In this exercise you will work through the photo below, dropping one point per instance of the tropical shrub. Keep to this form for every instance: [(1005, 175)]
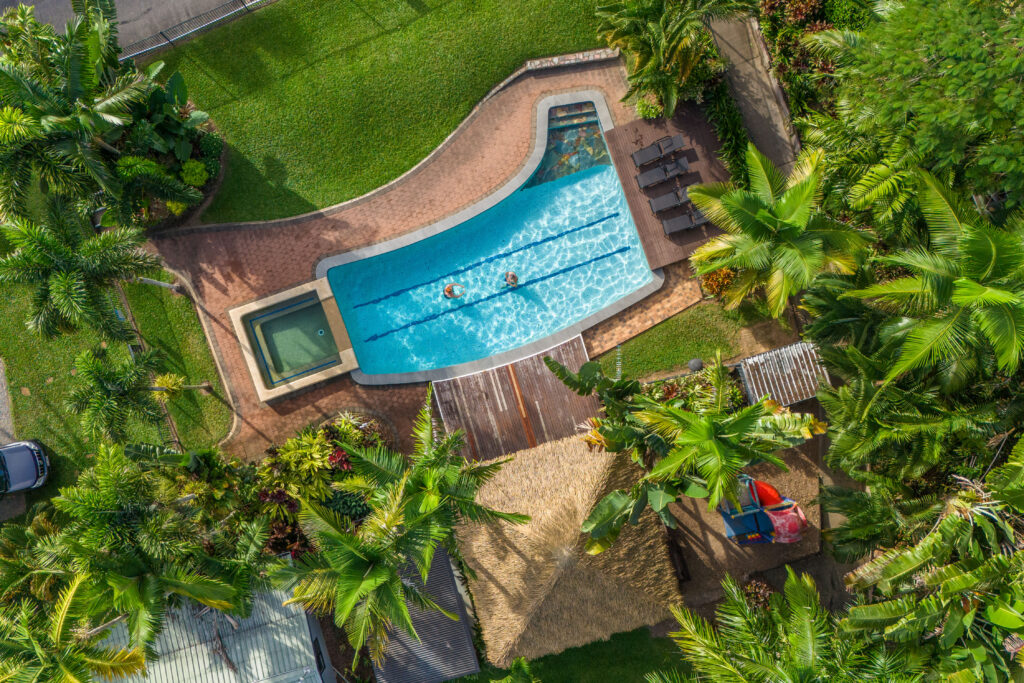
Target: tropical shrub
[(694, 390), (298, 469), (176, 208), (717, 281), (646, 109), (211, 145), (194, 173), (727, 121)]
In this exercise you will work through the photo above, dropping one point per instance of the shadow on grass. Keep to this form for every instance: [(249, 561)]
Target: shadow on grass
[(267, 181)]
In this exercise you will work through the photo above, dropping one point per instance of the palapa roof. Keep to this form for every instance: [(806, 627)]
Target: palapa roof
[(537, 591)]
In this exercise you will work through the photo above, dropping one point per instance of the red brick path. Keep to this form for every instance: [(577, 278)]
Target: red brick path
[(228, 265)]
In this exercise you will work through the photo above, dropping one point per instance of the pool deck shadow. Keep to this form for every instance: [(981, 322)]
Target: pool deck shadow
[(229, 265)]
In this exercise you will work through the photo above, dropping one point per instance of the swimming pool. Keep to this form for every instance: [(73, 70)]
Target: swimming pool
[(566, 232)]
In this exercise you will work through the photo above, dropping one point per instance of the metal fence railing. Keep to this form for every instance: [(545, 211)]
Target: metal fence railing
[(169, 37)]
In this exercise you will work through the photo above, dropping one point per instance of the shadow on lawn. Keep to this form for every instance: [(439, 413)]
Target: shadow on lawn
[(267, 181)]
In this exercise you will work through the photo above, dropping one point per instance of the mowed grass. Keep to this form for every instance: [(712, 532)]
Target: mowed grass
[(624, 658), (40, 379), (169, 323), (324, 101), (697, 332)]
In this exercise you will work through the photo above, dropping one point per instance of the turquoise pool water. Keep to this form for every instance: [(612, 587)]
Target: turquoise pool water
[(567, 234)]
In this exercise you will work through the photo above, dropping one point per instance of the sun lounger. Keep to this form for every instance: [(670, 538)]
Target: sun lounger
[(698, 218), (661, 148), (669, 201), (662, 173), (678, 224)]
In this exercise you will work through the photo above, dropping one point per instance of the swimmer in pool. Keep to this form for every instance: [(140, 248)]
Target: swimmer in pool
[(453, 290), (511, 279)]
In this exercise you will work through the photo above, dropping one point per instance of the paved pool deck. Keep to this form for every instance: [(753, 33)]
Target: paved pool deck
[(232, 264)]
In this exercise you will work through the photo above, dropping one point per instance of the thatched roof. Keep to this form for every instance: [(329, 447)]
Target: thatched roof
[(537, 592)]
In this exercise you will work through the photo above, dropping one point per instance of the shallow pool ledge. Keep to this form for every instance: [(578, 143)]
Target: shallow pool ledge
[(317, 292)]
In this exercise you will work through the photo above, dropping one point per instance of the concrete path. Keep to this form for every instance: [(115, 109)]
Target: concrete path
[(14, 504), (758, 96), (138, 18)]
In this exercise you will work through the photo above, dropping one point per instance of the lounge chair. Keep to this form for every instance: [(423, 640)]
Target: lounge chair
[(699, 219), (657, 150), (678, 224), (669, 201), (662, 173)]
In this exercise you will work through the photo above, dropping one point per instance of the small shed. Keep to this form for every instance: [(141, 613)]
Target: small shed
[(445, 647), (787, 375), (275, 642)]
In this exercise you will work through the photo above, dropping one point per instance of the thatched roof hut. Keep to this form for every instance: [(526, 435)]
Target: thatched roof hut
[(537, 591)]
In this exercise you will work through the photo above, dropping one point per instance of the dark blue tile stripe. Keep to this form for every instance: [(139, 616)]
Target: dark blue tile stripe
[(500, 292), (481, 262)]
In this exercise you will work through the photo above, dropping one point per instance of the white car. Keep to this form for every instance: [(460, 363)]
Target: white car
[(23, 465)]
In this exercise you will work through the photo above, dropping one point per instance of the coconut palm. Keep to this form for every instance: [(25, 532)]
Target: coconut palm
[(965, 294), (792, 638), (367, 573), (44, 645), (60, 116), (777, 239), (665, 41), (70, 273), (111, 393)]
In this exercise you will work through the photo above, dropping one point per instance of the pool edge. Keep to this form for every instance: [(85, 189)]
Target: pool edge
[(506, 190), (520, 352)]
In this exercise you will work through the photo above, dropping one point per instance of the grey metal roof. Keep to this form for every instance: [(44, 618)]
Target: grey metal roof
[(272, 645), (787, 375), (445, 649)]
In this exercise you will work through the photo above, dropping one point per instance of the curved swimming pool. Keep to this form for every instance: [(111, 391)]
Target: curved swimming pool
[(567, 234)]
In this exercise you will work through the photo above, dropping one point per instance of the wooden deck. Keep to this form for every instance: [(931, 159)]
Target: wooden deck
[(515, 406), (705, 167)]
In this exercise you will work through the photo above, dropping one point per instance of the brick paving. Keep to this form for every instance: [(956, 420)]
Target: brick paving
[(231, 264)]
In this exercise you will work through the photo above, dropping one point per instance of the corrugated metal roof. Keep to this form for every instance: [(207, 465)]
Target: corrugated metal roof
[(788, 375), (445, 649), (272, 645)]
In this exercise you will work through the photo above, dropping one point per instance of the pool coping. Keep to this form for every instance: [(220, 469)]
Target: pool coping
[(514, 183), (528, 168), (346, 355)]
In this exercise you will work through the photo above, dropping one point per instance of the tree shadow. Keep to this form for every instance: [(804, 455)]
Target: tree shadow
[(263, 184)]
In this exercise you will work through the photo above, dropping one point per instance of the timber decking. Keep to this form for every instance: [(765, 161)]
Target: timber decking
[(515, 406), (705, 167)]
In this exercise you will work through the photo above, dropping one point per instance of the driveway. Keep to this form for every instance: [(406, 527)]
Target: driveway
[(139, 18)]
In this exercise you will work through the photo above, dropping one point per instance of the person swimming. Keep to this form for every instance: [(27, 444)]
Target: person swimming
[(453, 290), (511, 279)]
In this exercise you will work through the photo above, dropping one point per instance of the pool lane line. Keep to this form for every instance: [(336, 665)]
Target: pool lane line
[(500, 292), (487, 260)]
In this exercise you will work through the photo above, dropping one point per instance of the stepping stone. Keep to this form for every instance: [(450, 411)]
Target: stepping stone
[(25, 391), (49, 380)]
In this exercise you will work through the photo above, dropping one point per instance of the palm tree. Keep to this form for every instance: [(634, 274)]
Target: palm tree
[(112, 393), (695, 450), (959, 585), (62, 114), (142, 548), (42, 645), (665, 41), (777, 239), (965, 294), (367, 573), (791, 639), (71, 272)]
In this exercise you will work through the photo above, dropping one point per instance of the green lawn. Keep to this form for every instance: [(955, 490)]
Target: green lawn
[(169, 323), (323, 101), (624, 658), (39, 375), (696, 332)]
